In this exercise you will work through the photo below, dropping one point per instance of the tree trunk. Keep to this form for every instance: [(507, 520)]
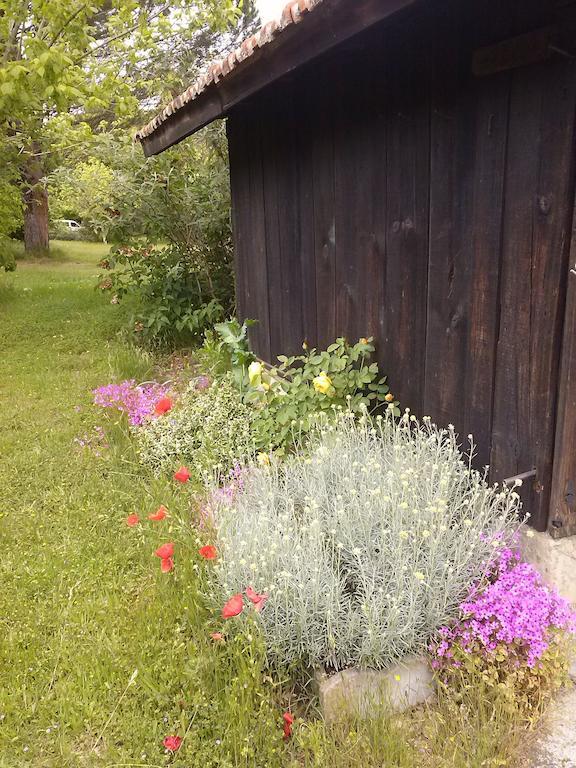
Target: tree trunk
[(35, 206)]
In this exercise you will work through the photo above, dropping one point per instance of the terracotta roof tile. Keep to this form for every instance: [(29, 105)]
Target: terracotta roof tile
[(292, 14)]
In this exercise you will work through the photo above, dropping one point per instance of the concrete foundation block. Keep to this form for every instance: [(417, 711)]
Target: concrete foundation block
[(554, 558), (359, 692)]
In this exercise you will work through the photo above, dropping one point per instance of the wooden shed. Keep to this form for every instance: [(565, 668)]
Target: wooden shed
[(405, 169)]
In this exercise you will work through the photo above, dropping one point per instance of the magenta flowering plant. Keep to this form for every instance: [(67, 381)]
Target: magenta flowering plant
[(224, 492), (138, 401), (513, 631)]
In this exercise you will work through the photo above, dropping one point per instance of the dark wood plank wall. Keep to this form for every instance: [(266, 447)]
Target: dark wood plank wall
[(386, 191)]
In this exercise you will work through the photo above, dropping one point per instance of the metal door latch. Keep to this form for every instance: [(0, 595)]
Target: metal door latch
[(523, 475)]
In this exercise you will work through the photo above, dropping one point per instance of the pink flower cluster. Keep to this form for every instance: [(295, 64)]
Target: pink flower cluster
[(139, 401), (225, 494), (515, 609)]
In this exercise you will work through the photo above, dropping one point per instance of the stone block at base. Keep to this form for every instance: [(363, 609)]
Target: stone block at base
[(360, 692), (554, 558)]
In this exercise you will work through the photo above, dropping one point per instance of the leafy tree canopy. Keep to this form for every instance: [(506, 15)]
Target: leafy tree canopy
[(70, 70)]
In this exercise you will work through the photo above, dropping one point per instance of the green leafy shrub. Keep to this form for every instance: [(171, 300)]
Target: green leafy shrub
[(365, 544), (236, 348), (8, 252), (10, 205), (177, 298), (290, 396), (209, 429)]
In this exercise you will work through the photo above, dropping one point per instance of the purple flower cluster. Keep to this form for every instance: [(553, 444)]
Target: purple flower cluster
[(225, 494), (136, 400), (515, 610)]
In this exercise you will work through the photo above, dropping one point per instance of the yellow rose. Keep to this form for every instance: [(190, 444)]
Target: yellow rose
[(263, 459), (254, 372), (363, 340), (389, 397), (322, 383)]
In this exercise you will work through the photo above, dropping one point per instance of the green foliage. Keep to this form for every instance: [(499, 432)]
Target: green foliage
[(504, 676), (60, 84), (290, 396), (178, 298), (208, 429), (10, 199), (181, 199), (7, 254), (181, 196), (10, 209), (48, 51), (235, 345), (85, 193)]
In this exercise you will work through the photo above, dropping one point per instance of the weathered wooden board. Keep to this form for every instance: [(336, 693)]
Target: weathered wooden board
[(537, 213), (304, 157), (353, 198), (253, 247), (562, 519), (240, 200), (403, 337), (468, 140), (321, 138)]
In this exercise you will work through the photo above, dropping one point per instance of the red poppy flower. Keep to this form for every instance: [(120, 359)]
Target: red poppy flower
[(233, 607), (208, 552), (160, 513), (166, 564), (132, 520), (288, 720), (217, 636), (165, 551), (163, 406), (182, 475), (172, 743), (258, 600)]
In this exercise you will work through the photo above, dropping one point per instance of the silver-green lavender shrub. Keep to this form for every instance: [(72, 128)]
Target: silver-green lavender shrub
[(366, 542), (209, 430)]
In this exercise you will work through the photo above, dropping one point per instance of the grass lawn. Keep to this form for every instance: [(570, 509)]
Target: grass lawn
[(82, 603), (102, 655)]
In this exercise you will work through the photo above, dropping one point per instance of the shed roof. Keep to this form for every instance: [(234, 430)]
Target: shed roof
[(273, 51)]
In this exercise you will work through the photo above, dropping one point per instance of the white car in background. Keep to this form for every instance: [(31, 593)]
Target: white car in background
[(70, 224)]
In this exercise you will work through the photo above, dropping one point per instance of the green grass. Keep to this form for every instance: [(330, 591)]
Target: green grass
[(83, 604)]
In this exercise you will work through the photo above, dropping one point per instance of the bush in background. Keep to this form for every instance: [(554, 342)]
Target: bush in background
[(9, 251), (366, 544), (177, 298), (209, 429)]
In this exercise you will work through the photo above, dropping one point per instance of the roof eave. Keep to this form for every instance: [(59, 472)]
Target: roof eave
[(331, 23)]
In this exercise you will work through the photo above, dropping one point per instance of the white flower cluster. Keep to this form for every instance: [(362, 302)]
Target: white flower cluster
[(209, 430), (366, 542)]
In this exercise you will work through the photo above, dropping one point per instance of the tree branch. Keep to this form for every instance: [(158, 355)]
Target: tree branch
[(68, 21), (120, 35)]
